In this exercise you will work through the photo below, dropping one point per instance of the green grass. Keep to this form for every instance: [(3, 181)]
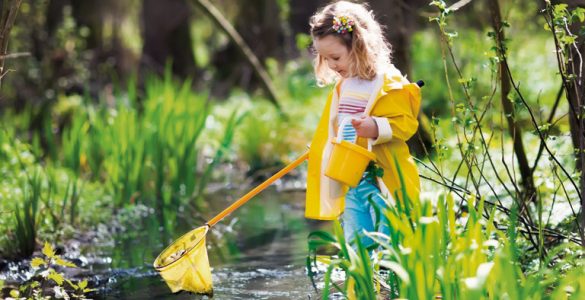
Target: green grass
[(431, 252), (355, 263), (27, 216), (41, 201), (147, 150)]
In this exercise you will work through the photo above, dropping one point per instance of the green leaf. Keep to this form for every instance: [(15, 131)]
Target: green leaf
[(439, 4), (64, 263), (560, 8), (316, 244), (48, 250), (569, 39), (83, 284), (303, 41), (37, 262), (579, 12), (73, 285), (57, 277), (322, 235), (460, 107), (397, 269)]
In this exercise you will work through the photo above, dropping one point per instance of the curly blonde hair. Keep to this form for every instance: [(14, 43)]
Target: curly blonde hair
[(369, 51)]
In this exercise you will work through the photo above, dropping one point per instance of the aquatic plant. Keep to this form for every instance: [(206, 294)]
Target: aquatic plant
[(434, 254), (64, 209), (27, 215), (40, 201), (48, 283), (146, 149), (72, 143), (354, 262)]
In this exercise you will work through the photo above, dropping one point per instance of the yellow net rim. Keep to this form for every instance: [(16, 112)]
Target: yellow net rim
[(159, 267)]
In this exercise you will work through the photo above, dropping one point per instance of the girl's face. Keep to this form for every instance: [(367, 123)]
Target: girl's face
[(335, 53)]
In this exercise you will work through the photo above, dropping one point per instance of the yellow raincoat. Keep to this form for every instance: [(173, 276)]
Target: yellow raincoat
[(394, 108)]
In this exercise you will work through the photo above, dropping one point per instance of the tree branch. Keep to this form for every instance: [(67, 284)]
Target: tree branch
[(233, 34), (8, 17), (513, 127)]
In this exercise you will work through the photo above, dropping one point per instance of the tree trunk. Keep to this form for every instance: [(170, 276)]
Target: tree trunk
[(574, 96), (575, 90), (401, 20), (259, 24), (90, 14), (300, 14), (54, 16), (93, 15), (514, 129), (166, 35)]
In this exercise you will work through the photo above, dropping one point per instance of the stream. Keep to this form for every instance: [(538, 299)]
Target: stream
[(257, 252)]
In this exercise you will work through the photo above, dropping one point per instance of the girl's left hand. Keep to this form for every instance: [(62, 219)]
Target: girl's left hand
[(365, 127)]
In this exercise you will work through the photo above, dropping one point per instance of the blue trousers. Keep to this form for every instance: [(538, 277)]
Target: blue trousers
[(359, 215)]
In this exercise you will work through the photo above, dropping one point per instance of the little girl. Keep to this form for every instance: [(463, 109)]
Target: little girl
[(383, 106)]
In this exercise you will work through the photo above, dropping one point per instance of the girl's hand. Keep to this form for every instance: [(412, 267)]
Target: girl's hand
[(365, 127)]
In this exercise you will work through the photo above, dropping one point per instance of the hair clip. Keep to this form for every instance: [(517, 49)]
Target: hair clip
[(342, 24)]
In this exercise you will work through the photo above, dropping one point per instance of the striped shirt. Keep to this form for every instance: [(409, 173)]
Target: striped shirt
[(353, 99)]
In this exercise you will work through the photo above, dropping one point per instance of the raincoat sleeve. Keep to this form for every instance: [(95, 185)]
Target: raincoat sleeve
[(396, 114)]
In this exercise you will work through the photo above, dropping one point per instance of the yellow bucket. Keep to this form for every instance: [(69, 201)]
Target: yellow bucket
[(348, 161), (184, 264)]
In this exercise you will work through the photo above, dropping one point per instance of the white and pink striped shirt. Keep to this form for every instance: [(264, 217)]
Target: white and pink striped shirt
[(353, 99)]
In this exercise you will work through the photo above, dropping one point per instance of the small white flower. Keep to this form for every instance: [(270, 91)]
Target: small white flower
[(45, 273), (428, 220), (60, 293), (477, 282), (484, 270), (472, 283), (491, 243)]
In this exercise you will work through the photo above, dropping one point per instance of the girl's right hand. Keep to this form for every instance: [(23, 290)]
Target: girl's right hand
[(365, 127)]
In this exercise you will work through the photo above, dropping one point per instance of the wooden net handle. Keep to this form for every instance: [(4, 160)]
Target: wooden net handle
[(258, 189)]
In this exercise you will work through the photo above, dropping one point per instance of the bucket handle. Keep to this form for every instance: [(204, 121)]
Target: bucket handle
[(342, 125)]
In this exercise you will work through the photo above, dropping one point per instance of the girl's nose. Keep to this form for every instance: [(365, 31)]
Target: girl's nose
[(333, 66)]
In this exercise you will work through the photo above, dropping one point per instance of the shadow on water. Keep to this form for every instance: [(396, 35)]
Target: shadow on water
[(257, 252)]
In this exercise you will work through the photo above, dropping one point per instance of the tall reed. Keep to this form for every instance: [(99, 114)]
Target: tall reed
[(432, 253), (27, 216), (146, 149)]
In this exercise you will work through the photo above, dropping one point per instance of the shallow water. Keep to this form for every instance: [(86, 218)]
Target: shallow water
[(257, 252)]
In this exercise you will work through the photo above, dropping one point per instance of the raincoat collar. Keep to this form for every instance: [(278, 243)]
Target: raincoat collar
[(389, 80)]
